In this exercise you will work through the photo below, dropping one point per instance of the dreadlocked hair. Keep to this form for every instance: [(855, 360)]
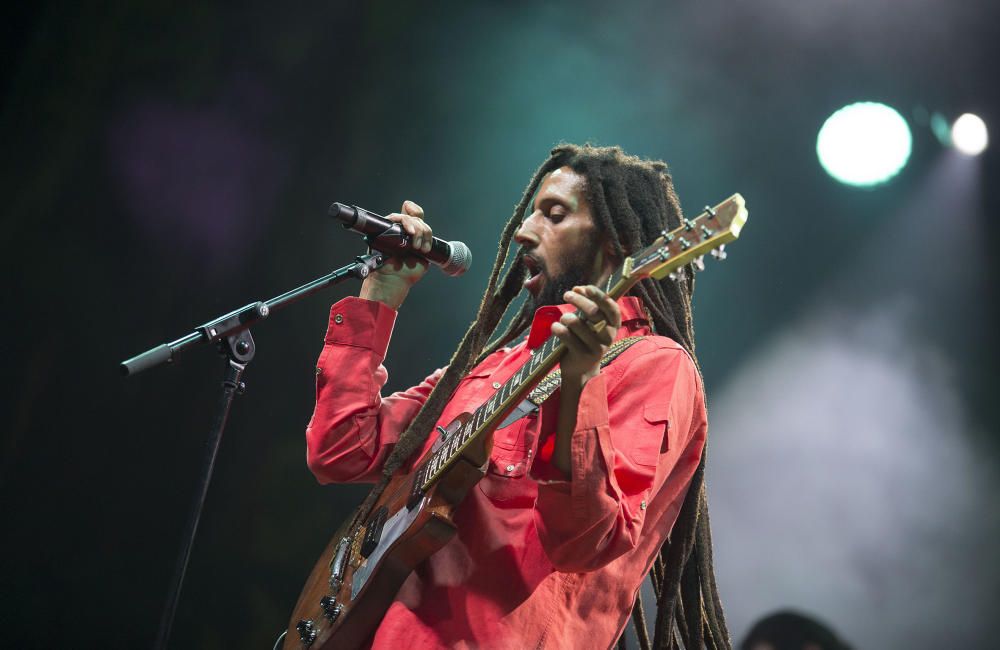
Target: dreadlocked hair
[(632, 201)]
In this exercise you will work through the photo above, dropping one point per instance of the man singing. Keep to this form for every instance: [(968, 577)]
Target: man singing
[(582, 499)]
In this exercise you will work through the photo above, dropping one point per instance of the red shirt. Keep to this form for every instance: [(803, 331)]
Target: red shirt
[(539, 561)]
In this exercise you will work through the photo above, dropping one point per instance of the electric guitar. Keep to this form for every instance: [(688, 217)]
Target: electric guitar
[(357, 576)]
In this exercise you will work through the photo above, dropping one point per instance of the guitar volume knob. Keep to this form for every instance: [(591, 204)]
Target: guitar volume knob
[(331, 608), (307, 632)]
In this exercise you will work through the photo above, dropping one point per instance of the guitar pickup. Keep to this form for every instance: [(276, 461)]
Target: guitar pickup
[(373, 531), (416, 493)]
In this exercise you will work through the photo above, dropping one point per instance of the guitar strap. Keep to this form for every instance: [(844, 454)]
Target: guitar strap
[(551, 382)]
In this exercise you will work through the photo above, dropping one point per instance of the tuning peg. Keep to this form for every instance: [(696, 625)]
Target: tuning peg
[(719, 253), (698, 263)]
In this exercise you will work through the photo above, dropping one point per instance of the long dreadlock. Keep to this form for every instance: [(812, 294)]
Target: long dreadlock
[(632, 201)]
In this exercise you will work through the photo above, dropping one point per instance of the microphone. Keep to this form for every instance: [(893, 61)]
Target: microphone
[(454, 257)]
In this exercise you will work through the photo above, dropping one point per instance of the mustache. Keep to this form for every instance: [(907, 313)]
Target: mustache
[(531, 263)]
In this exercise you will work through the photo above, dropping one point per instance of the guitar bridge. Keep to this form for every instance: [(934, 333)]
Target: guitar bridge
[(338, 564)]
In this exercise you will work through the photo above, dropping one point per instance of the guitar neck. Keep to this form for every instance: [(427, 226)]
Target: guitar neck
[(707, 232), (486, 418)]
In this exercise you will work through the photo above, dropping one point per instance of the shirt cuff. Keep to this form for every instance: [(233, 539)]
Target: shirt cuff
[(361, 323)]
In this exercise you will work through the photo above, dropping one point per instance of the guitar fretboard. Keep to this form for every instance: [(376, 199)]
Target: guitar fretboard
[(708, 231), (542, 359)]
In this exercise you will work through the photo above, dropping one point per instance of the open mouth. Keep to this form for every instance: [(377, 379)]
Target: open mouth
[(533, 273)]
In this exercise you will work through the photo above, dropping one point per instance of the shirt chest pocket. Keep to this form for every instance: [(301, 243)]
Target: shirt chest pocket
[(474, 389), (506, 483), (652, 438)]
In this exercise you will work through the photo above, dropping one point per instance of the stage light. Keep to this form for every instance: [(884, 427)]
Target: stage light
[(864, 144), (969, 134)]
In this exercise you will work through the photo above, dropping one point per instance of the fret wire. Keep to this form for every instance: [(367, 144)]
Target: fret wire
[(545, 355)]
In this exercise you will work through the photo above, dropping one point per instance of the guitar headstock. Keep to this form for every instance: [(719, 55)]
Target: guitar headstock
[(706, 233)]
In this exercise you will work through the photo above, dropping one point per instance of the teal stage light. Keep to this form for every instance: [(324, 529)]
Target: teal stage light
[(864, 144)]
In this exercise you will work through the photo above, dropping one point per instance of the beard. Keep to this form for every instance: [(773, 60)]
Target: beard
[(578, 265)]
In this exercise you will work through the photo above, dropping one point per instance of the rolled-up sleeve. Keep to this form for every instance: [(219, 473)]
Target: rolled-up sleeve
[(638, 439), (353, 428)]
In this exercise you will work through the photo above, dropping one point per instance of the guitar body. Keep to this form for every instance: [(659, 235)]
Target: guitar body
[(355, 580)]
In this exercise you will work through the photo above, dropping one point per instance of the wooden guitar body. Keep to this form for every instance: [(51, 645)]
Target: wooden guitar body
[(353, 584)]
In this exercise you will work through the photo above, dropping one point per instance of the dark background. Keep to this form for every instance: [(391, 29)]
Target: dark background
[(164, 163)]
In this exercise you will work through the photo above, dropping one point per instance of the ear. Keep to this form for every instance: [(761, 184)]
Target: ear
[(607, 260), (608, 248)]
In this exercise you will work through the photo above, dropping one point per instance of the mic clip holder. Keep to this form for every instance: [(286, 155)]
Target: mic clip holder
[(394, 238), (371, 261)]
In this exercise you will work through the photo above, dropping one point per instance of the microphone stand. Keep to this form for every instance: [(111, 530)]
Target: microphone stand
[(231, 333)]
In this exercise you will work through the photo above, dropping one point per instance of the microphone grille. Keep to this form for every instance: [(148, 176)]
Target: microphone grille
[(459, 261)]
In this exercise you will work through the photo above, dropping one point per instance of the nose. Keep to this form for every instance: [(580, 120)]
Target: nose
[(525, 234)]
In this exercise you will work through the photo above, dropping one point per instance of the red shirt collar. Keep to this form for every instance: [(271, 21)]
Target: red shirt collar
[(541, 325)]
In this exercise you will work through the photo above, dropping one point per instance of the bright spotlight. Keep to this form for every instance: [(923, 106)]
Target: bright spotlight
[(969, 135), (864, 144)]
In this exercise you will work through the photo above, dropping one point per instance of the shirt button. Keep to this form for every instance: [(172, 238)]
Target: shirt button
[(510, 468), (642, 505), (319, 370), (496, 384), (338, 319)]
